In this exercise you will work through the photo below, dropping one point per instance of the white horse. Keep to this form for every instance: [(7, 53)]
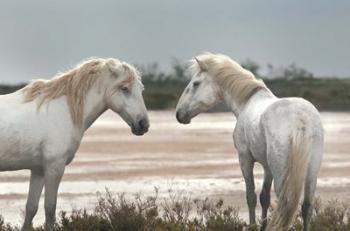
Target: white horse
[(42, 125), (284, 135)]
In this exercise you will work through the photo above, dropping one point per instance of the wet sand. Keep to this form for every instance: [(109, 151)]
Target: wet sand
[(198, 159)]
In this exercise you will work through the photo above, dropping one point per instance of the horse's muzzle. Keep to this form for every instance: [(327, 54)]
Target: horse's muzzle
[(183, 118), (140, 127)]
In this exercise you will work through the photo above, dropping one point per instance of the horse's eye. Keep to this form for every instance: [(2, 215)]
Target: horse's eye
[(124, 89), (196, 84)]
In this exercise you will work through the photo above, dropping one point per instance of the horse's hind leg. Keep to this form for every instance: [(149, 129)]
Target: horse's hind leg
[(53, 176), (309, 192), (310, 183), (35, 189), (265, 197)]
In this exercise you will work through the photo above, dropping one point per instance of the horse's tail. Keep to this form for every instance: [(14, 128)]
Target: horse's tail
[(294, 179)]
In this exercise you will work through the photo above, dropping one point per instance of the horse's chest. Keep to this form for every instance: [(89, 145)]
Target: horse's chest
[(70, 153), (61, 150)]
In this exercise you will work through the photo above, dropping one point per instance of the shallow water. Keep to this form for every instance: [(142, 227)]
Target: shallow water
[(198, 158)]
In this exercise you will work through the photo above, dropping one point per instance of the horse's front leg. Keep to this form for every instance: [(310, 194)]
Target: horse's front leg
[(35, 189), (53, 175), (265, 196), (247, 166)]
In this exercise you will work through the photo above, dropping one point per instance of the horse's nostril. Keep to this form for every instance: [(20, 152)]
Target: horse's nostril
[(143, 124)]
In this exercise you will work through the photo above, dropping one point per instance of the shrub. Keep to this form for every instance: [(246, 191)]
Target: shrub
[(178, 212)]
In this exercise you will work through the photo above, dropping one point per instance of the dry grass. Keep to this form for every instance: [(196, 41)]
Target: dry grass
[(114, 212)]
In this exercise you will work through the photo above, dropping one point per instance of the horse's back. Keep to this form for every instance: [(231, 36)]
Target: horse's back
[(14, 111), (284, 115)]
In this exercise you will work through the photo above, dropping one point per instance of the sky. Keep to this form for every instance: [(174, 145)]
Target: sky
[(41, 38)]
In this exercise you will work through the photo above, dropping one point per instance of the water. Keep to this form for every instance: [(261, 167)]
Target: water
[(198, 158)]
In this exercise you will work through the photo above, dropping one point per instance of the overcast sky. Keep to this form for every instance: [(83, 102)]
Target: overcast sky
[(40, 38)]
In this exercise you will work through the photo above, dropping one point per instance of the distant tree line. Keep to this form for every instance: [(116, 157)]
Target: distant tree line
[(164, 88), (326, 93), (6, 89)]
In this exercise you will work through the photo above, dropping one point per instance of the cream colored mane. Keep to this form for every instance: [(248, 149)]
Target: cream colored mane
[(236, 80), (74, 84)]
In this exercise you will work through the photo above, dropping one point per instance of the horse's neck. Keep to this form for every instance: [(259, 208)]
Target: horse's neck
[(257, 100), (93, 108), (232, 104)]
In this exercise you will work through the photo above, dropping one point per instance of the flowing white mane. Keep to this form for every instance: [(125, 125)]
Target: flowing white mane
[(236, 80), (74, 84)]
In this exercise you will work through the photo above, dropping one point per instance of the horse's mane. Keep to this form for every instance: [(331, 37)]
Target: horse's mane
[(236, 80), (74, 84)]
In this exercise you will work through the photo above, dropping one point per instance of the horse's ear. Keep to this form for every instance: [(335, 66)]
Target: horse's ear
[(201, 65), (116, 68)]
